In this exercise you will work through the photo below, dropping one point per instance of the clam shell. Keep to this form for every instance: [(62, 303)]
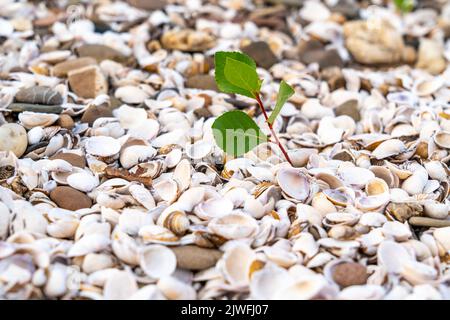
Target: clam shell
[(294, 183), (102, 146), (157, 261), (234, 226)]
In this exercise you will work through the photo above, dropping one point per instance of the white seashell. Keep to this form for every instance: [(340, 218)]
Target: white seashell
[(355, 176), (235, 264), (149, 292), (389, 148), (174, 289), (167, 190), (142, 195), (82, 181), (234, 226), (314, 11), (436, 170), (213, 208), (303, 289), (133, 118), (397, 230), (280, 256), (435, 209), (131, 94), (133, 155), (442, 236), (173, 158), (362, 292), (89, 244), (199, 149), (442, 139), (393, 256), (102, 146), (131, 221), (190, 198), (33, 119), (55, 56), (157, 261), (306, 244), (125, 247), (264, 283), (294, 183), (93, 262), (119, 285), (427, 87), (146, 130), (56, 281), (417, 181), (35, 135)]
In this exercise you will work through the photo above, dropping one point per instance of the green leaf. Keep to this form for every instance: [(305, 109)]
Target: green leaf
[(236, 133), (284, 93), (404, 5), (242, 76), (228, 83)]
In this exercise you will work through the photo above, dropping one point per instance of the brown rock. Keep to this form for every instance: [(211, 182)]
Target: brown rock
[(373, 44), (325, 58), (148, 4), (349, 274), (94, 112), (261, 53), (308, 46), (334, 77), (196, 258), (72, 158), (39, 95), (100, 53), (70, 198), (63, 68), (88, 82), (202, 81), (187, 40), (349, 108), (65, 121)]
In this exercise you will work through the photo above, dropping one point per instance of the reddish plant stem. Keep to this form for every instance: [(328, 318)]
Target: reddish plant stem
[(261, 106)]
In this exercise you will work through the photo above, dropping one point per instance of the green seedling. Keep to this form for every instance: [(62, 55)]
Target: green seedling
[(234, 131), (404, 6)]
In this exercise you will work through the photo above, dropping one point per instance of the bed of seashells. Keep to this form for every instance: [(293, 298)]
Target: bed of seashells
[(112, 187)]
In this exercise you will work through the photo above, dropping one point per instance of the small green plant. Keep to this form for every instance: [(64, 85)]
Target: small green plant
[(404, 6), (234, 131)]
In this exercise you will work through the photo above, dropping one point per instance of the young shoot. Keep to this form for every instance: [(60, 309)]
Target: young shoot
[(234, 131)]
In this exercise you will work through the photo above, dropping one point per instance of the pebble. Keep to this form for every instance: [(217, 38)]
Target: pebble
[(63, 68), (348, 8), (381, 44), (196, 258), (39, 95), (261, 53), (21, 107), (70, 198), (428, 222), (94, 112), (65, 121), (13, 137), (314, 51), (101, 52), (72, 158), (349, 274), (430, 57), (334, 77), (187, 40), (202, 81), (148, 4), (88, 82), (349, 108)]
